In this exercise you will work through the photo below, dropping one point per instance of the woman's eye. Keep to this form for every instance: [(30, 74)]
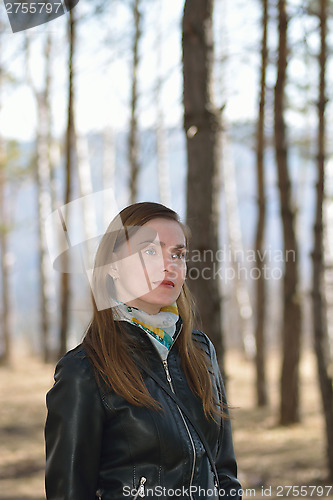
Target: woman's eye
[(150, 251), (179, 255)]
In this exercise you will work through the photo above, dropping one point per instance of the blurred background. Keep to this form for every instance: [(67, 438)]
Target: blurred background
[(221, 110)]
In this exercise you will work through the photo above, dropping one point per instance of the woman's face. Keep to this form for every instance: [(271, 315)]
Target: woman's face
[(149, 270)]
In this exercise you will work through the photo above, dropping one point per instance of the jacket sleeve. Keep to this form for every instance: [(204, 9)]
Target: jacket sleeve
[(73, 432), (225, 460)]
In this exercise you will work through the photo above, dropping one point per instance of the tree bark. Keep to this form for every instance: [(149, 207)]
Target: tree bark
[(70, 149), (318, 297), (5, 356), (43, 175), (133, 146), (51, 146), (241, 301), (86, 189), (291, 321), (261, 383), (202, 124), (161, 136)]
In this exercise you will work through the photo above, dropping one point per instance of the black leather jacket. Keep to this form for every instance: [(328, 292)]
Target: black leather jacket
[(99, 445)]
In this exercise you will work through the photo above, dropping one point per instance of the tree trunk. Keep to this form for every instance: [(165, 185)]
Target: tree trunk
[(239, 283), (319, 305), (5, 355), (109, 159), (291, 321), (261, 383), (161, 148), (42, 175), (70, 149), (86, 190), (202, 125), (51, 146), (162, 163), (44, 209), (133, 147)]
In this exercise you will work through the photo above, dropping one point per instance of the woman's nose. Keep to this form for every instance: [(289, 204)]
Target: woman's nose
[(167, 262)]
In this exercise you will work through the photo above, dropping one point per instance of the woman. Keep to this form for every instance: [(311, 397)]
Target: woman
[(138, 409)]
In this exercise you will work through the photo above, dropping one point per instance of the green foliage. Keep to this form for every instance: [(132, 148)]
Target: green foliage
[(15, 164)]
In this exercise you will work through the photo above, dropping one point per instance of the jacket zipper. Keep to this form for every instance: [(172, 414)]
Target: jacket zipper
[(141, 489), (166, 368)]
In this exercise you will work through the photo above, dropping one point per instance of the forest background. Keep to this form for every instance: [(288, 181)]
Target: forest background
[(221, 110)]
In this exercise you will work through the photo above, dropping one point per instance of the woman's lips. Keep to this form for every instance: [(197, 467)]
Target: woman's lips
[(167, 283)]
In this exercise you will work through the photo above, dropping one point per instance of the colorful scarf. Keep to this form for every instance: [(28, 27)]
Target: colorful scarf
[(160, 326)]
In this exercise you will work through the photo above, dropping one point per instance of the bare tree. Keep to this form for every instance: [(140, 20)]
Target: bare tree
[(291, 321), (202, 123), (161, 148), (70, 152), (5, 289), (86, 187), (109, 158), (43, 177), (133, 146), (261, 383), (4, 229), (319, 305), (239, 285)]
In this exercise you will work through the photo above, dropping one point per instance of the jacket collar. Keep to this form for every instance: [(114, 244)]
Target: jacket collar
[(138, 335)]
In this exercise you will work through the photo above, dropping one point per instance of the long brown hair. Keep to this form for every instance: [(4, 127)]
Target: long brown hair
[(108, 345)]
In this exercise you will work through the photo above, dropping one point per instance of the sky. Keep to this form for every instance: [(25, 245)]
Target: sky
[(102, 81)]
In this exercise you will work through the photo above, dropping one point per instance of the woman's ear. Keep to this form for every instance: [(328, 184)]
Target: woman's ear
[(113, 272)]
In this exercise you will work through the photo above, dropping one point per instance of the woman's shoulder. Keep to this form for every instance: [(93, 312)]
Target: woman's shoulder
[(75, 364), (76, 355), (204, 340), (208, 347), (74, 384)]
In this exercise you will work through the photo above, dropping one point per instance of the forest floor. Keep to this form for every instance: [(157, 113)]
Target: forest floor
[(274, 462)]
